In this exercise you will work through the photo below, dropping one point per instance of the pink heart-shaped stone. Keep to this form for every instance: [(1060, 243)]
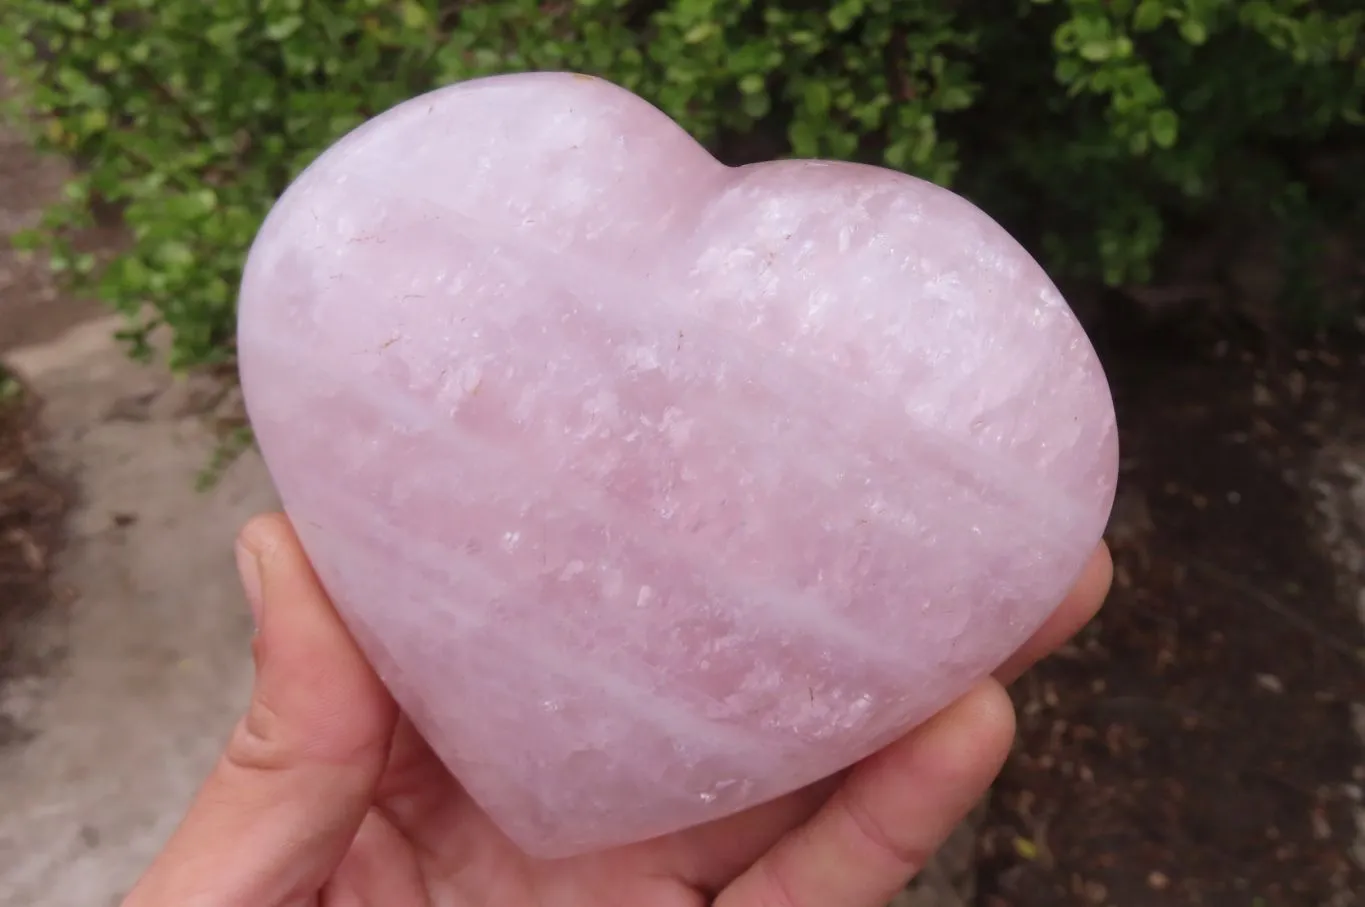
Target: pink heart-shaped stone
[(653, 488)]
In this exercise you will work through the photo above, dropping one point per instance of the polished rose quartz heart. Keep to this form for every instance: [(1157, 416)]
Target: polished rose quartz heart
[(653, 488)]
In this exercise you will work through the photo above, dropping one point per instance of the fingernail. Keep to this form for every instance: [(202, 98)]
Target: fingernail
[(249, 569)]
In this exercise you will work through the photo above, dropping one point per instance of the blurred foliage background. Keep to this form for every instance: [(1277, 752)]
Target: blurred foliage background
[(1107, 134)]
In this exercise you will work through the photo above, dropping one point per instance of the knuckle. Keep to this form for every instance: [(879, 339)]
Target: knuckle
[(257, 742), (777, 888), (908, 851)]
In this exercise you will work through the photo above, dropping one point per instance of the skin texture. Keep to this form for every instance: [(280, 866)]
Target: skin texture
[(326, 797)]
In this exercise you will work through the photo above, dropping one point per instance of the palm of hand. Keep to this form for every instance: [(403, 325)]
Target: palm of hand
[(853, 839), (424, 842)]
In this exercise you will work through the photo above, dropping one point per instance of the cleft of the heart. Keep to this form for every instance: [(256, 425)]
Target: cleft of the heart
[(653, 488)]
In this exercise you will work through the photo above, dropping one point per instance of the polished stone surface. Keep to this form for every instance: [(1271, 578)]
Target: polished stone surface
[(654, 488)]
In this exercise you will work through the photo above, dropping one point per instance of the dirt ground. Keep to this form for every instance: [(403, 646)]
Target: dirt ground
[(33, 500), (1196, 745), (33, 506)]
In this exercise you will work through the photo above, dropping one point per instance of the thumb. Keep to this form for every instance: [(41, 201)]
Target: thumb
[(283, 805)]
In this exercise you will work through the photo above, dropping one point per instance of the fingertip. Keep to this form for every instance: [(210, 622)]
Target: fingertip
[(987, 705), (265, 534), (970, 737), (286, 572), (311, 670), (1087, 593), (988, 722), (1098, 576), (892, 813)]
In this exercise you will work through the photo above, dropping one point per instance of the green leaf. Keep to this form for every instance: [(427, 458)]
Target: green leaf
[(804, 138), (1165, 128), (817, 97), (281, 29), (1068, 70), (224, 35), (415, 15), (1097, 50), (1194, 31), (93, 120), (29, 240), (1149, 15), (842, 15), (702, 31)]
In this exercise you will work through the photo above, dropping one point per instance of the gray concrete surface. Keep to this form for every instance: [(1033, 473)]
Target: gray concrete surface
[(150, 660)]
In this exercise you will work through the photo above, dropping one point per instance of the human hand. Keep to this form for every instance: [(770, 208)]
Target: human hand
[(326, 795)]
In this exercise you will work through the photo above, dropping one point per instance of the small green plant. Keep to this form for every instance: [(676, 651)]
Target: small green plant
[(11, 390), (1096, 129)]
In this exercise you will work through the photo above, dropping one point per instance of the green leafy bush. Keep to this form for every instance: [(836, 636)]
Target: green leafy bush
[(1097, 129)]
